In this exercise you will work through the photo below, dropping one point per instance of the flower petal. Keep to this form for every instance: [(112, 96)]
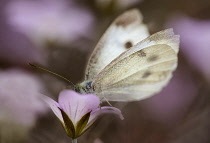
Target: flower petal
[(77, 105), (100, 111), (54, 106)]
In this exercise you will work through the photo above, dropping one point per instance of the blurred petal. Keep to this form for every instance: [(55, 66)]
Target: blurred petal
[(103, 110), (57, 21), (54, 106), (171, 104), (20, 103), (195, 41), (19, 96), (76, 105)]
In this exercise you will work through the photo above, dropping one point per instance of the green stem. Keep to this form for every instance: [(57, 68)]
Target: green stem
[(74, 140)]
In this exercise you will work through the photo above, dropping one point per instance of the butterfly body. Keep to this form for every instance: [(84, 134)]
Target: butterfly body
[(128, 64), (84, 87)]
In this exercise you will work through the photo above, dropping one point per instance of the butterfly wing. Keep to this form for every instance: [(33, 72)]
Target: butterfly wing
[(141, 71), (126, 31)]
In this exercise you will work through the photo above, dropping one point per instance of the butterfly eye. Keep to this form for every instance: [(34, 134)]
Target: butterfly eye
[(88, 85), (128, 45)]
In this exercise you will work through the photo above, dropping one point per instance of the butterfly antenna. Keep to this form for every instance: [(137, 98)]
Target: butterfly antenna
[(53, 73), (107, 101)]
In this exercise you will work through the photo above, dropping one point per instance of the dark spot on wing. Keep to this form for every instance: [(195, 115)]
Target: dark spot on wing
[(141, 53), (152, 58), (125, 21), (146, 74), (128, 45), (164, 75)]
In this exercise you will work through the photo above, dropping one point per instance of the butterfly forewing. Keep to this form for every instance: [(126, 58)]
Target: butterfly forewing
[(163, 37), (126, 31), (141, 71)]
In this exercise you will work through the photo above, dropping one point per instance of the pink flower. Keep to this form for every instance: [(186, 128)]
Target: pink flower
[(20, 103), (78, 112), (195, 35), (49, 20), (171, 104)]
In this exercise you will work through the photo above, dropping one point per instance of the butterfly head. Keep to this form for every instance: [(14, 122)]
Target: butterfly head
[(84, 87)]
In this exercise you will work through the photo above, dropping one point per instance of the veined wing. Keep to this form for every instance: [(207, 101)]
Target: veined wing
[(141, 71), (126, 31)]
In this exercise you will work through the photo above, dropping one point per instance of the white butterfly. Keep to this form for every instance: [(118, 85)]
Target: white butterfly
[(127, 66)]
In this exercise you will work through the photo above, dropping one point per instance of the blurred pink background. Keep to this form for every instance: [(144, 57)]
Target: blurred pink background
[(60, 35)]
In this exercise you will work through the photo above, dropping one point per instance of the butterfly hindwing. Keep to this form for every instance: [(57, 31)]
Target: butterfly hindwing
[(126, 31)]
